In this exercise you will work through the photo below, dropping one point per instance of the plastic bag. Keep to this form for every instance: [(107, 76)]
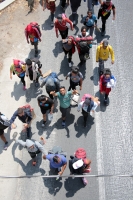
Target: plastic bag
[(50, 117)]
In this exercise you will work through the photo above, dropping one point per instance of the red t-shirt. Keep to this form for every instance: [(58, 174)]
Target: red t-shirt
[(62, 25)]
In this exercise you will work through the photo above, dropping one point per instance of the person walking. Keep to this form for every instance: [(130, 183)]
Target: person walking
[(104, 13), (50, 5), (69, 48), (102, 54), (75, 4), (33, 148), (45, 104), (33, 70), (76, 78), (61, 24), (18, 67), (57, 161), (32, 32), (51, 83), (65, 99), (90, 21), (91, 3), (106, 83), (88, 106), (31, 4), (4, 123), (25, 116)]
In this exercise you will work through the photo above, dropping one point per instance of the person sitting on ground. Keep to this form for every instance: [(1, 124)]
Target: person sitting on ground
[(33, 148), (69, 48), (76, 78), (33, 70), (45, 104)]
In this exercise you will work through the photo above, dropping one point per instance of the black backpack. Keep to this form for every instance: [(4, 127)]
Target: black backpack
[(84, 48)]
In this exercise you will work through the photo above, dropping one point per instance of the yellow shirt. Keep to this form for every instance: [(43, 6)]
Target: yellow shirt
[(104, 53)]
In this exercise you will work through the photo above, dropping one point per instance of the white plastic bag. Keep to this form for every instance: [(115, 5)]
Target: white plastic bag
[(50, 117), (74, 100)]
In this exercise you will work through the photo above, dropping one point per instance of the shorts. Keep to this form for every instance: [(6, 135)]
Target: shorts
[(43, 111), (1, 131), (64, 111)]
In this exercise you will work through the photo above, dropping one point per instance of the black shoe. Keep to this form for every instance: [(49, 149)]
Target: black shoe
[(36, 53), (106, 103)]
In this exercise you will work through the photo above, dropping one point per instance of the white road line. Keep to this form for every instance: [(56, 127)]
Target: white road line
[(99, 145)]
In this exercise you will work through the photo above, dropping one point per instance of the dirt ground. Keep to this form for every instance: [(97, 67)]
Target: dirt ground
[(13, 20)]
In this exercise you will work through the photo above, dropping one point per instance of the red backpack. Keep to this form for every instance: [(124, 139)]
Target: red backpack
[(35, 26), (80, 153)]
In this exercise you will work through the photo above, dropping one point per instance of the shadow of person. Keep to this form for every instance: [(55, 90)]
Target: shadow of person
[(32, 52), (64, 69), (32, 92), (80, 129), (95, 77), (58, 48), (28, 168), (82, 68), (99, 37), (47, 24), (7, 136), (72, 186), (75, 26), (102, 106), (18, 91), (52, 184)]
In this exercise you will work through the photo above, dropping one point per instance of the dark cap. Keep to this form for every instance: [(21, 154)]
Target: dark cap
[(105, 43), (87, 101), (28, 61), (59, 16), (108, 0)]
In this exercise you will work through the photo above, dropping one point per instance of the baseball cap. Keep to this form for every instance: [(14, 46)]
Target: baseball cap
[(105, 43), (59, 16), (28, 61), (78, 164)]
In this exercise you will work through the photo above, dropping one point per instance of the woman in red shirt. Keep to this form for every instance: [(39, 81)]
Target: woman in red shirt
[(61, 24)]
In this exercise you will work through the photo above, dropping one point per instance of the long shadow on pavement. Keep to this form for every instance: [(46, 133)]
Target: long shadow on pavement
[(18, 91), (72, 186), (80, 129)]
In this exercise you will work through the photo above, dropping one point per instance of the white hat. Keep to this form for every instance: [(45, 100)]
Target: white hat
[(78, 164)]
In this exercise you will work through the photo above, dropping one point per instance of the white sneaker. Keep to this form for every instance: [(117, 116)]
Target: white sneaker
[(70, 64)]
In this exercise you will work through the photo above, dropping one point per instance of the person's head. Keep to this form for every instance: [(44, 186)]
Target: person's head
[(87, 101), (56, 159), (43, 98), (83, 30), (108, 2), (105, 44), (28, 62), (107, 73), (75, 70), (16, 63), (62, 90), (59, 17), (89, 13), (69, 41), (20, 112)]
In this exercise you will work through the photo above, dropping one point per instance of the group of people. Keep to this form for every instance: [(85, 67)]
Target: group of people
[(32, 69)]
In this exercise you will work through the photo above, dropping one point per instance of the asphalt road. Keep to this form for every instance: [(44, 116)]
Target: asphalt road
[(108, 136)]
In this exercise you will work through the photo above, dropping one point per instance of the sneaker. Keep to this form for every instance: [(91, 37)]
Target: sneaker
[(24, 88), (43, 124), (52, 24), (63, 124), (34, 163), (70, 64), (6, 146), (106, 103), (84, 181)]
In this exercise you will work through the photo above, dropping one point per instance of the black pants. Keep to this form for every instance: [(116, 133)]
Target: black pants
[(35, 46), (52, 16), (63, 3), (31, 77), (34, 154), (22, 80), (50, 95), (73, 85), (69, 54), (85, 115), (29, 132), (104, 18), (64, 34)]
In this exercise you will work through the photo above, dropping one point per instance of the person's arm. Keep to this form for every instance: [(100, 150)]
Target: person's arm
[(11, 71), (44, 4), (40, 147), (40, 71), (94, 106), (97, 54), (74, 92), (114, 12), (52, 107), (68, 75), (70, 22), (80, 106), (112, 54), (88, 164), (100, 1), (56, 28), (21, 142), (26, 35), (62, 169), (13, 117), (54, 93)]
